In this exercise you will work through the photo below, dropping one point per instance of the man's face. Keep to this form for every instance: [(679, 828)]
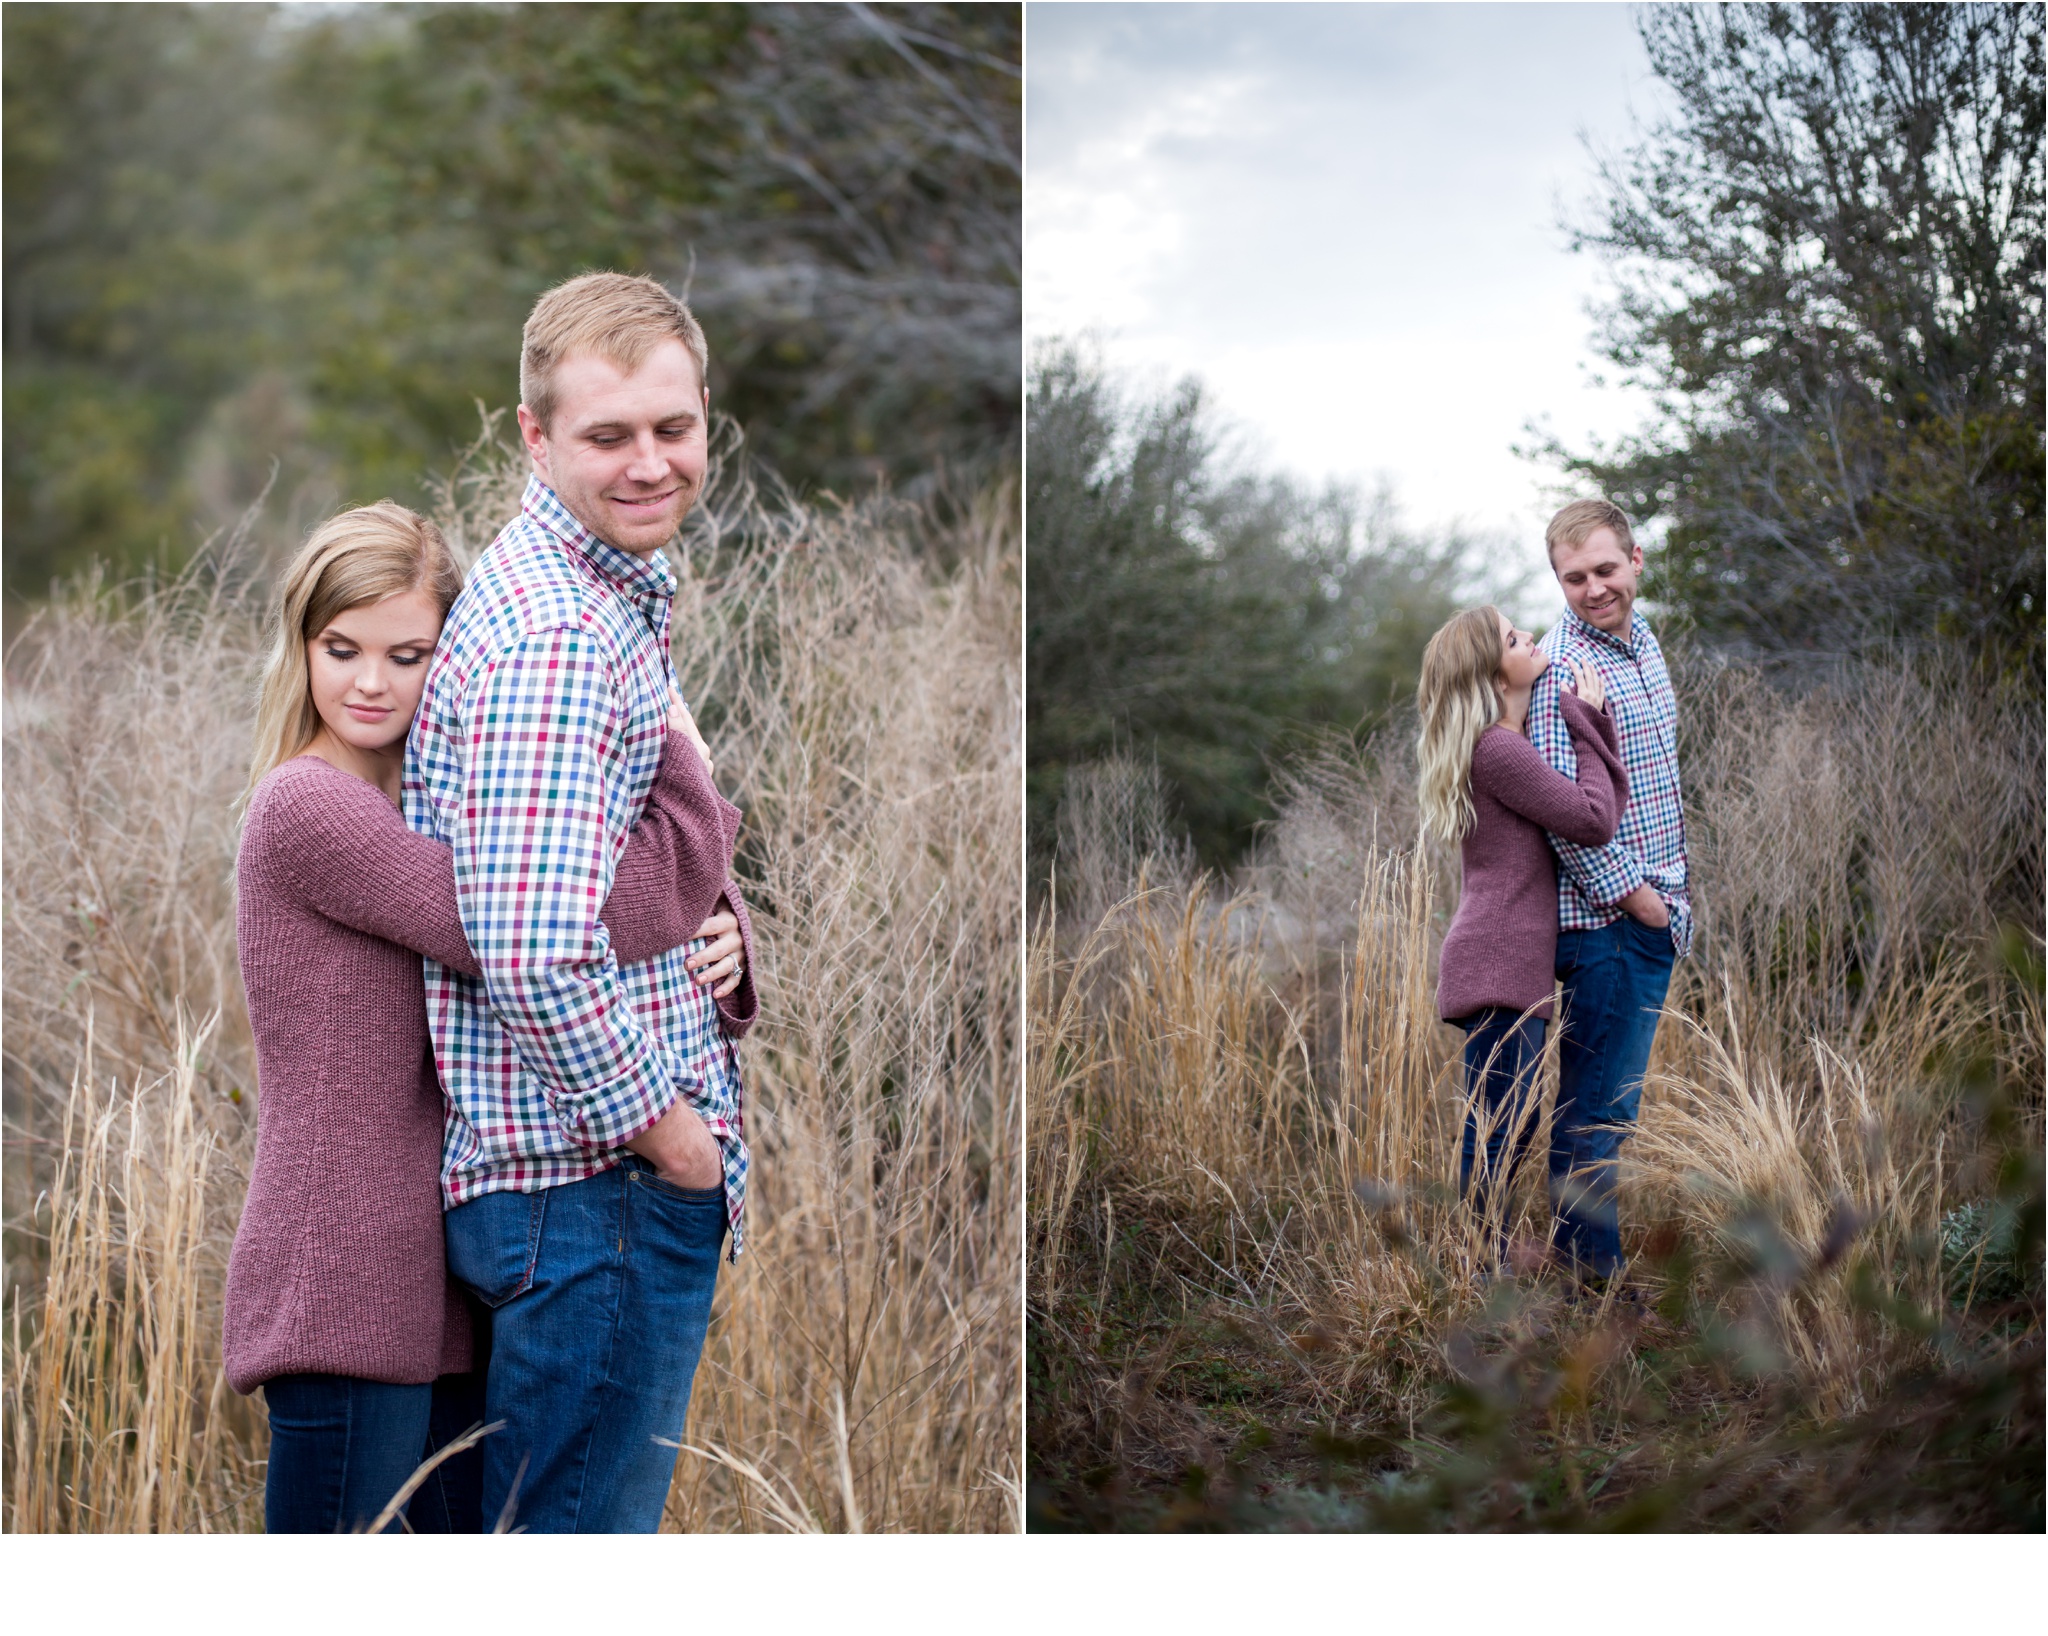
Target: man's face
[(1599, 579), (625, 452)]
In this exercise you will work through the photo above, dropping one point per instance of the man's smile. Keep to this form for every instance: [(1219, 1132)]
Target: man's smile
[(645, 502)]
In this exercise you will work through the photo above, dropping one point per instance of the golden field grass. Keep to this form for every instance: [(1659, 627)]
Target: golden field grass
[(857, 673), (1256, 1302)]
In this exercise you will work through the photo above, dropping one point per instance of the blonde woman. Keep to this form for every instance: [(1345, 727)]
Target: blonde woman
[(1486, 790), (338, 1300)]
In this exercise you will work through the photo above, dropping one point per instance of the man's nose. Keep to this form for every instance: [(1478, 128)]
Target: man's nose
[(647, 465)]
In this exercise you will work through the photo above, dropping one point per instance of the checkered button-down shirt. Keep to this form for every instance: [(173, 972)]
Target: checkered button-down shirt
[(1649, 845), (537, 740)]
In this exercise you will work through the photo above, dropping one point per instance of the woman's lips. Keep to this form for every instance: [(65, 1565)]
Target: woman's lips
[(368, 712)]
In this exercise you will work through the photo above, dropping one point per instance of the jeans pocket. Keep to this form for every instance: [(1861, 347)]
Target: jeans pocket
[(679, 1229), (669, 1190), (494, 1244), (1654, 941)]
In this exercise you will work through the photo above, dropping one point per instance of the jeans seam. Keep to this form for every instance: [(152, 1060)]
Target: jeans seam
[(536, 1224), (348, 1440), (611, 1345)]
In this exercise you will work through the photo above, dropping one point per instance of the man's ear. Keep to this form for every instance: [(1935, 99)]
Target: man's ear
[(535, 439)]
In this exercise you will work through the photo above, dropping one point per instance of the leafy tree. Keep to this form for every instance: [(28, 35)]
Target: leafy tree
[(1828, 266), (837, 188), (125, 178), (239, 234), (1185, 609), (863, 256)]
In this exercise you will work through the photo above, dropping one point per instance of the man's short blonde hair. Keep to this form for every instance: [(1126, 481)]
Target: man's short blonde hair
[(613, 316), (1572, 525)]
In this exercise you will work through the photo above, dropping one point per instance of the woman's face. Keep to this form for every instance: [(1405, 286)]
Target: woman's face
[(367, 669), (1521, 660)]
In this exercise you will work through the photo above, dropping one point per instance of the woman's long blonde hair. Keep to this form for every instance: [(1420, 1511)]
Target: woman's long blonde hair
[(1458, 698), (349, 561)]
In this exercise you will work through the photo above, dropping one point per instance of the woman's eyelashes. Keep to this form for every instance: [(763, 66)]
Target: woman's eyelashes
[(402, 656)]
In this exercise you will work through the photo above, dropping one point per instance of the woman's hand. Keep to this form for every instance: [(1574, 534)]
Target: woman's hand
[(723, 962), (1587, 684), (680, 721)]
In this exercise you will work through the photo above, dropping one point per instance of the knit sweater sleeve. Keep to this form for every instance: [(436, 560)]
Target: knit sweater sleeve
[(739, 1008), (331, 842), (675, 872), (1584, 809), (325, 839), (677, 861)]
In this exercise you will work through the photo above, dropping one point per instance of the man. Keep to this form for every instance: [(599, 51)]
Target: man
[(594, 1160), (1624, 911)]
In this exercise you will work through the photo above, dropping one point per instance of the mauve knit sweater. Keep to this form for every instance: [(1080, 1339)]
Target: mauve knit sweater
[(1502, 946), (338, 1265)]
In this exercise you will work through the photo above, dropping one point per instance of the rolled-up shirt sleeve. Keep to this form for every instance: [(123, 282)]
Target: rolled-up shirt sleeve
[(1604, 874), (533, 866)]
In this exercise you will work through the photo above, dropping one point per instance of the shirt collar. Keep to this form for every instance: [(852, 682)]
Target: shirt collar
[(635, 576), (1637, 630)]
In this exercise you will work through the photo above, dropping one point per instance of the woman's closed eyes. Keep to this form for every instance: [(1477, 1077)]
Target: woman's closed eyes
[(404, 657)]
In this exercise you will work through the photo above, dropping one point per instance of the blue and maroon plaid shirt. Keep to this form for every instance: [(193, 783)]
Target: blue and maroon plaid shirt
[(536, 742), (1650, 843)]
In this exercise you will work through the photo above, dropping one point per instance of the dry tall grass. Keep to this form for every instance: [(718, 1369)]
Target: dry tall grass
[(857, 672), (1244, 1114)]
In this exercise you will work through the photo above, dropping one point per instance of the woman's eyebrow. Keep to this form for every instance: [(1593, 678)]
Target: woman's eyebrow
[(331, 634)]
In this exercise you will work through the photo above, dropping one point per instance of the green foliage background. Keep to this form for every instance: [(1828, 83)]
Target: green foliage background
[(1186, 608), (239, 235), (1828, 266)]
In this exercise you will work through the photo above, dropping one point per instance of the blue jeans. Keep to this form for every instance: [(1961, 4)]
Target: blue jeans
[(600, 1294), (451, 1501), (1503, 1051), (341, 1447), (1614, 984)]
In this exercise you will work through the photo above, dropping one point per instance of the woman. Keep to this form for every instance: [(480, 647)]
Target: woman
[(338, 1301), (1485, 789)]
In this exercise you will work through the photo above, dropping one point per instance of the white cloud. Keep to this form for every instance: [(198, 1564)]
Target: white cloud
[(1343, 217)]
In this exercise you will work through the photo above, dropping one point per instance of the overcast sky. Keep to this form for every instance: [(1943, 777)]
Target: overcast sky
[(1344, 218)]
